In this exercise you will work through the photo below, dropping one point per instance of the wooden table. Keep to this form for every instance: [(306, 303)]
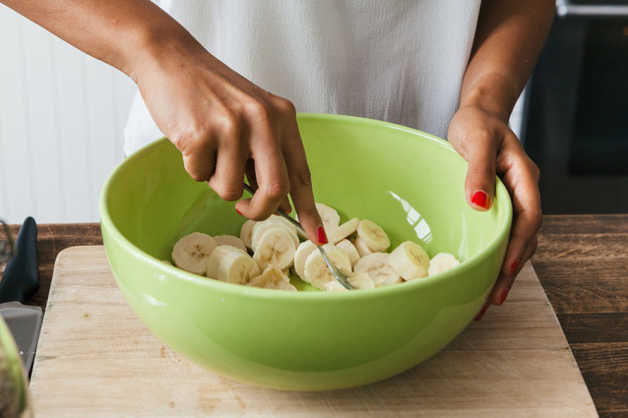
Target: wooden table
[(582, 262)]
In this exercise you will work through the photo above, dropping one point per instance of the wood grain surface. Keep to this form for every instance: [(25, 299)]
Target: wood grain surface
[(582, 263), (96, 358)]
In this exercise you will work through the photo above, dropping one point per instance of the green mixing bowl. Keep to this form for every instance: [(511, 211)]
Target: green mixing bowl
[(409, 182)]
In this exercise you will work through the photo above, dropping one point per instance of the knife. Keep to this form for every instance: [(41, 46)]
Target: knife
[(20, 280)]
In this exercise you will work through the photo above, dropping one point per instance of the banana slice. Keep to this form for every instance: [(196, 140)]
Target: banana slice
[(373, 236), (246, 231), (274, 248), (300, 256), (316, 271), (261, 227), (230, 240), (232, 265), (329, 216), (343, 231), (191, 252), (361, 281), (272, 278), (334, 286), (363, 249), (377, 265), (358, 281), (283, 221), (410, 260), (442, 262), (349, 249)]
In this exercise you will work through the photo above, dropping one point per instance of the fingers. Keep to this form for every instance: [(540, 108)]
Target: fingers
[(199, 157), (230, 165), (301, 187), (248, 135), (250, 175), (271, 175), (505, 281), (480, 180), (520, 176)]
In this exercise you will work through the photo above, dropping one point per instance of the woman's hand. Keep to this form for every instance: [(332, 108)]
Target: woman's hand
[(491, 148), (225, 126)]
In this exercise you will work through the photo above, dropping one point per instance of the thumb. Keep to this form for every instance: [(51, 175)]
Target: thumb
[(480, 181)]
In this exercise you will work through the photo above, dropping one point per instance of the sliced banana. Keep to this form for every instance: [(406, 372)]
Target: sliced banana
[(272, 278), (358, 281), (284, 221), (373, 236), (410, 260), (334, 286), (349, 249), (442, 262), (261, 227), (246, 231), (377, 265), (344, 230), (363, 249), (232, 265), (274, 248), (230, 240), (361, 280), (300, 256), (191, 252), (316, 271), (329, 216)]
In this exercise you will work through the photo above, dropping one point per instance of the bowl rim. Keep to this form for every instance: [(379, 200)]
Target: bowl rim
[(261, 293)]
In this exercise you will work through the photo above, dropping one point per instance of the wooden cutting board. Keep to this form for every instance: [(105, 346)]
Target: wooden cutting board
[(97, 359)]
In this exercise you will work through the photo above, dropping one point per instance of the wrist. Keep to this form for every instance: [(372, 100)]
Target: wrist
[(494, 94), (153, 44)]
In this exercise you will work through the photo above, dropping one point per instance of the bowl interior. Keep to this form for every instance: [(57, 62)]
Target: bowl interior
[(410, 183)]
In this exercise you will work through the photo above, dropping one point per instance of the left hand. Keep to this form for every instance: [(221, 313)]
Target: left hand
[(490, 148)]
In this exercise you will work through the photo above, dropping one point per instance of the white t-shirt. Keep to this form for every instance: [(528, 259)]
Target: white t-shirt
[(400, 61)]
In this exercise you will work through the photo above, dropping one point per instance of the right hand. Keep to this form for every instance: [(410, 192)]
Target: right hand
[(225, 126)]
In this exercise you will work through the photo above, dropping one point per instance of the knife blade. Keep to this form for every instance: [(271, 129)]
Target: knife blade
[(20, 280)]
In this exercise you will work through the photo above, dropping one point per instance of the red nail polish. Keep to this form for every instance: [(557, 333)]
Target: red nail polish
[(322, 236), (504, 295), (481, 313), (513, 267), (480, 198), (239, 213)]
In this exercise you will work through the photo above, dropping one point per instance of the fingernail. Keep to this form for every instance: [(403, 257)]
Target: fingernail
[(481, 313), (513, 267), (480, 198), (503, 296), (322, 236), (239, 213)]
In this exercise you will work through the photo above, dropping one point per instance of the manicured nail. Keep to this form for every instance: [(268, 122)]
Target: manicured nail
[(480, 198), (322, 236), (503, 296), (481, 313), (239, 213), (513, 267)]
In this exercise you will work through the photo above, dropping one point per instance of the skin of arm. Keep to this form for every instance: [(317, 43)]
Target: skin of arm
[(224, 126), (509, 37)]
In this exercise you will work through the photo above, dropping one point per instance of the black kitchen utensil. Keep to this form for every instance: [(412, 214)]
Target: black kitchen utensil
[(20, 280)]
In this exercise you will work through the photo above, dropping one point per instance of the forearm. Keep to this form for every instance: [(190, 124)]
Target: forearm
[(509, 37), (118, 32)]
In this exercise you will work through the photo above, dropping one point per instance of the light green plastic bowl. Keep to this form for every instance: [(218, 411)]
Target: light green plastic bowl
[(409, 182)]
